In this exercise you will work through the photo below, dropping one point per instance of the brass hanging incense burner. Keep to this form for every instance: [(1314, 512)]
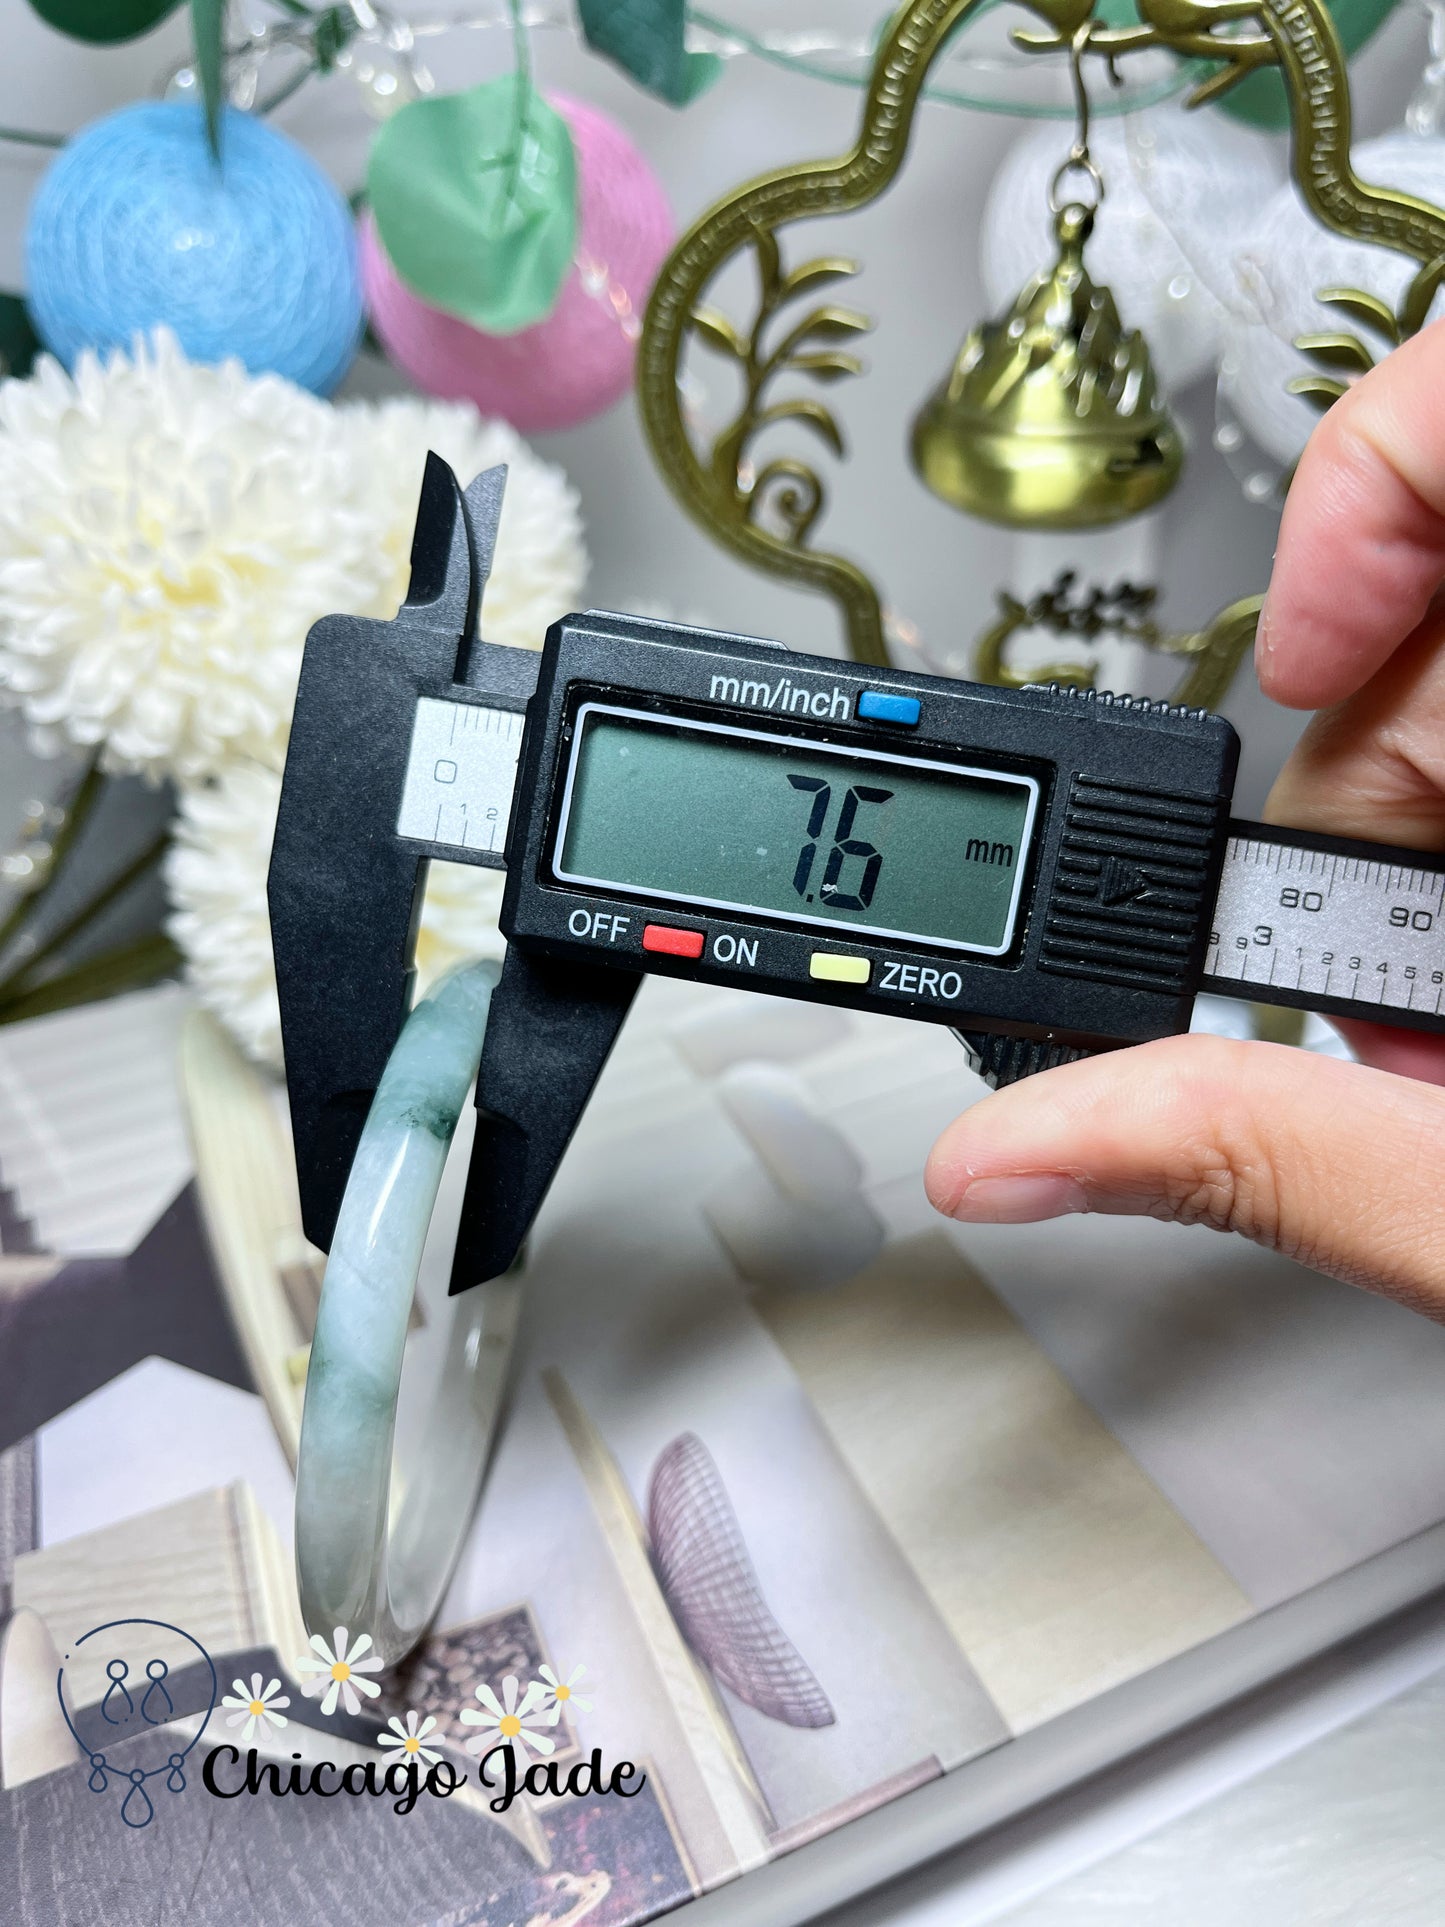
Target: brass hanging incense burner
[(1051, 416)]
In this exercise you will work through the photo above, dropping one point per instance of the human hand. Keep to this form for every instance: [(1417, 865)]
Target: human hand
[(1341, 1166)]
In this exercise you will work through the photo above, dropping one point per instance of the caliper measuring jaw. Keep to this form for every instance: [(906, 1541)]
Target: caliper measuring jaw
[(345, 891)]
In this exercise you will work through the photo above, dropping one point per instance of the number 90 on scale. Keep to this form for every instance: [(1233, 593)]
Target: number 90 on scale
[(1380, 941)]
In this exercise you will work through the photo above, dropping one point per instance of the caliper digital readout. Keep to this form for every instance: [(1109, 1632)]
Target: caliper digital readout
[(1045, 871), (729, 818)]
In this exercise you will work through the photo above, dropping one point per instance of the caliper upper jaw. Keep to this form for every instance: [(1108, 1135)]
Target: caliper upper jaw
[(344, 890)]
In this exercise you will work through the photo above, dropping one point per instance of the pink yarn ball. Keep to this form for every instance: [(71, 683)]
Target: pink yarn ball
[(579, 360)]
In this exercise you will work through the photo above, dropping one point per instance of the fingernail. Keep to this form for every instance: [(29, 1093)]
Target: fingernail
[(1022, 1200)]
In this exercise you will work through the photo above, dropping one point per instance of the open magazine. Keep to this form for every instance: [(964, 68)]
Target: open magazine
[(843, 1510)]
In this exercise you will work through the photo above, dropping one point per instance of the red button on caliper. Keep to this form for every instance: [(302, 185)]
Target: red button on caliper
[(672, 942)]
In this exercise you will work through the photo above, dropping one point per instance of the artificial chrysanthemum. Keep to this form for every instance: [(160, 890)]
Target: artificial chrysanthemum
[(216, 878), (510, 1721), (409, 1737), (168, 533), (337, 1670), (254, 1708), (562, 1693), (539, 569)]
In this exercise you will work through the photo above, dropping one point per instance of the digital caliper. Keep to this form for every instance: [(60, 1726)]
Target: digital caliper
[(1046, 871)]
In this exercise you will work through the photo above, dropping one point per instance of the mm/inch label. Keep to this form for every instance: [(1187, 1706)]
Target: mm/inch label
[(460, 775), (1319, 924)]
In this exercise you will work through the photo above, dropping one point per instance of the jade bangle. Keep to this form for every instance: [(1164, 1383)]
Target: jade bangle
[(376, 1544)]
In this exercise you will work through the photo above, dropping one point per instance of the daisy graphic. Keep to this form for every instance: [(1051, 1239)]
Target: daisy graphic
[(563, 1693), (506, 1721), (409, 1737), (337, 1671), (253, 1708)]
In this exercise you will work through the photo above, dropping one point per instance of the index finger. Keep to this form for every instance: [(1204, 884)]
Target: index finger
[(1362, 541)]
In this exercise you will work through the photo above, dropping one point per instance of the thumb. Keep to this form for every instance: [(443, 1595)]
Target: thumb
[(1334, 1164)]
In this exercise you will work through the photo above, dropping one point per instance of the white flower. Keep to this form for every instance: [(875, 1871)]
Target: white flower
[(409, 1737), (255, 1708), (216, 876), (216, 869), (168, 533), (563, 1693), (539, 570), (338, 1668), (506, 1722)]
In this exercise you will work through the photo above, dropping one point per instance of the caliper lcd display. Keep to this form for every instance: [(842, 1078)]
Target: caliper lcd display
[(847, 839)]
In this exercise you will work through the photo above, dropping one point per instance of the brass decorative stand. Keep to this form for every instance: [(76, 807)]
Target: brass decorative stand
[(766, 513)]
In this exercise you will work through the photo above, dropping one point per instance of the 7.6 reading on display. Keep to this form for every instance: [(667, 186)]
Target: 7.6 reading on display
[(738, 819)]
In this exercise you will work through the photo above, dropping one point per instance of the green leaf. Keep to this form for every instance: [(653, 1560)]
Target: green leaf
[(19, 343), (1366, 308), (1418, 298), (1260, 97), (1318, 390), (835, 324), (208, 19), (1337, 351), (476, 202), (812, 274), (130, 967), (812, 413), (104, 22), (333, 29), (827, 366), (823, 324), (646, 39), (718, 332)]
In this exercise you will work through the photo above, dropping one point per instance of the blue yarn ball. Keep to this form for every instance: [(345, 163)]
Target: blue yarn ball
[(134, 226)]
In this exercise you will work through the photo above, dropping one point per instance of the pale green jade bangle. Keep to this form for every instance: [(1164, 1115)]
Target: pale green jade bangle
[(376, 1545)]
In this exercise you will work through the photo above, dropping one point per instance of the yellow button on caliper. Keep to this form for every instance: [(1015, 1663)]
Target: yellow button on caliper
[(834, 969)]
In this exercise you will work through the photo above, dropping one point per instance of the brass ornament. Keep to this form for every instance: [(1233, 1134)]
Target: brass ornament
[(1296, 35), (1213, 653), (1051, 417), (1126, 610), (1343, 357)]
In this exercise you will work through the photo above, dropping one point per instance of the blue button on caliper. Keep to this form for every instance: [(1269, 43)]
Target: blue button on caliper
[(882, 706)]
